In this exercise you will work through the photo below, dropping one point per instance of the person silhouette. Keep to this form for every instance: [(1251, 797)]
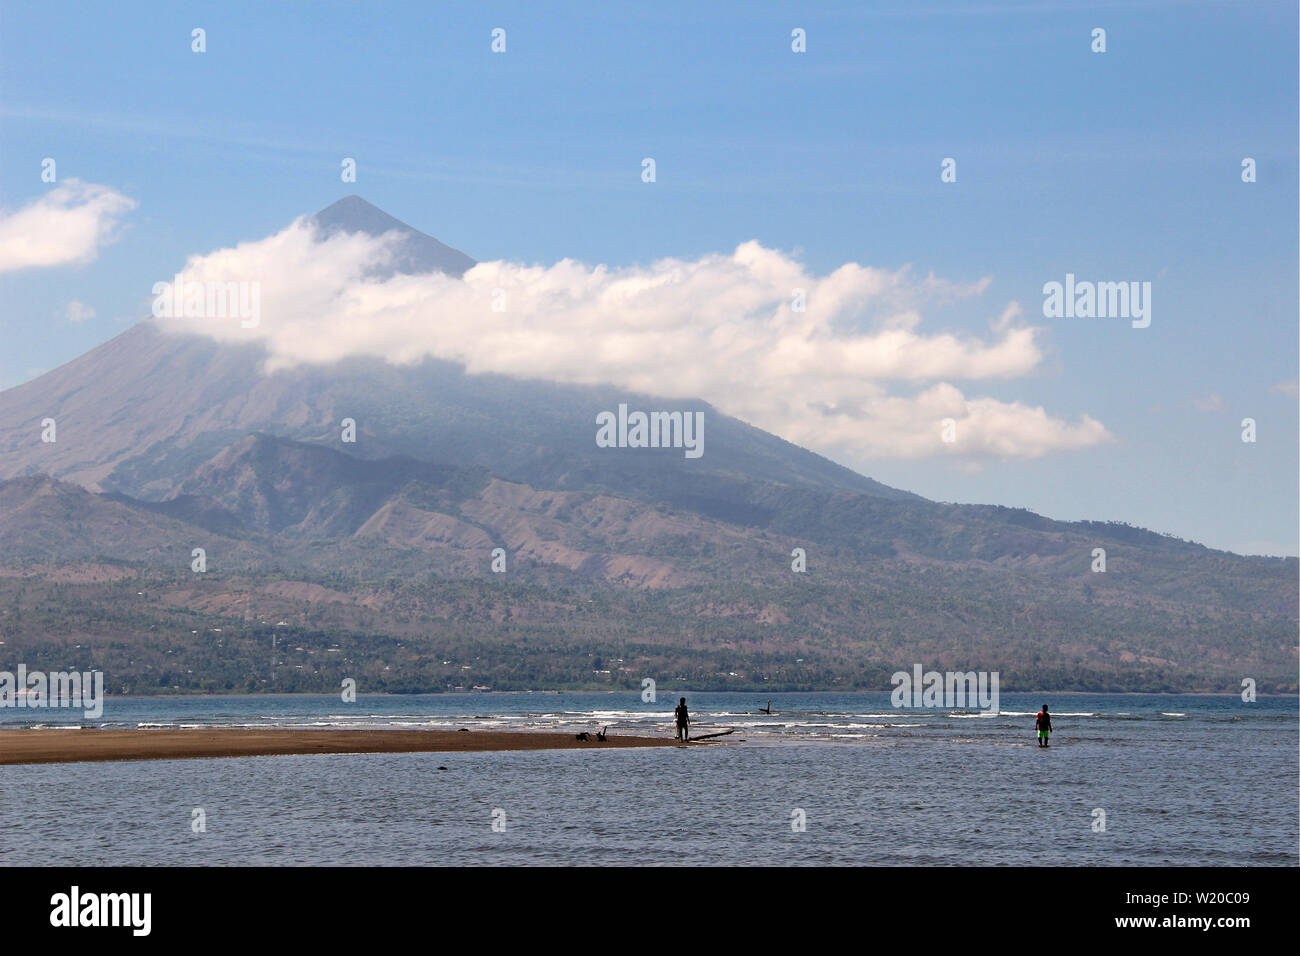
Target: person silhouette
[(683, 721), (1043, 723)]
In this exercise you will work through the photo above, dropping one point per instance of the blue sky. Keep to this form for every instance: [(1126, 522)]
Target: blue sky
[(1116, 166)]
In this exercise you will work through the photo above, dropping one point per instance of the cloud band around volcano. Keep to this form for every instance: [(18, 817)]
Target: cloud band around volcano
[(810, 358)]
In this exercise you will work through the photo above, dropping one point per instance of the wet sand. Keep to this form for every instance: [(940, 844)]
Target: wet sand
[(68, 746)]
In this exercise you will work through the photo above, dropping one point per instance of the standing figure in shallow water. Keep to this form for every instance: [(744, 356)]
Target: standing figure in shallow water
[(1043, 723)]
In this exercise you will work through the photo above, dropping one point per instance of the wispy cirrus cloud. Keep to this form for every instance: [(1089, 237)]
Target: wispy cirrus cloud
[(67, 225), (1210, 402), (853, 372), (78, 311)]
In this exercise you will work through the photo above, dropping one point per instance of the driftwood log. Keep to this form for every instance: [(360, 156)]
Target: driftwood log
[(721, 733)]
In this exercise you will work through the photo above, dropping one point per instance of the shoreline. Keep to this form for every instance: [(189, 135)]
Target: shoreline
[(77, 746), (207, 695)]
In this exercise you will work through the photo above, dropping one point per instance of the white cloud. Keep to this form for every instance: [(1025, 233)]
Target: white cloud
[(1288, 389), (1212, 402), (721, 328), (77, 311), (66, 225)]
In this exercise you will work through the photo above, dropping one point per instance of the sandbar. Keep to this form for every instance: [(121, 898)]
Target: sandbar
[(70, 746)]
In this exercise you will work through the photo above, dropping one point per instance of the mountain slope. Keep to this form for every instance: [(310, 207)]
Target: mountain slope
[(360, 550), (139, 412), (276, 486)]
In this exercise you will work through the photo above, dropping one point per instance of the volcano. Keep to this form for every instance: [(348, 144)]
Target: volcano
[(476, 517), (137, 414)]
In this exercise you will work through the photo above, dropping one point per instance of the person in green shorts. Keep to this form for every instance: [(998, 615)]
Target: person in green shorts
[(1043, 722)]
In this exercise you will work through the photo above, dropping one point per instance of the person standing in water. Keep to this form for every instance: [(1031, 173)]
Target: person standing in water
[(1043, 723), (683, 721)]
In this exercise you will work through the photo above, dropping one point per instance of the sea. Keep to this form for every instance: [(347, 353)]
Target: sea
[(824, 779)]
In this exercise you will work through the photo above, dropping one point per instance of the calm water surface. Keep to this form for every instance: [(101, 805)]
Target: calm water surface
[(1182, 780)]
